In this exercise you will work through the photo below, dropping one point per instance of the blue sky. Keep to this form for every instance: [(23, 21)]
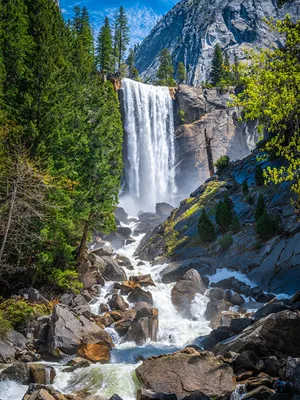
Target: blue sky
[(142, 15)]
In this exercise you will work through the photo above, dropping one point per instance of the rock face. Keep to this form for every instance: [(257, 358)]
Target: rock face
[(185, 372), (185, 290), (192, 29)]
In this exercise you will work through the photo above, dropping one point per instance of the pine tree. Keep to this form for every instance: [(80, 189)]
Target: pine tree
[(245, 188), (216, 73), (260, 207), (104, 49), (265, 227), (236, 225), (259, 176), (206, 228), (227, 75), (235, 73), (134, 74), (224, 215), (165, 71), (181, 73), (122, 38), (132, 71)]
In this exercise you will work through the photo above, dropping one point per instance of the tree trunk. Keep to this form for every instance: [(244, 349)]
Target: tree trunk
[(84, 239), (209, 154), (13, 199)]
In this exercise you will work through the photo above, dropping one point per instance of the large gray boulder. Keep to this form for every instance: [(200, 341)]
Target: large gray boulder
[(185, 290), (13, 344), (144, 327), (185, 372), (68, 331), (17, 372), (274, 335), (176, 270)]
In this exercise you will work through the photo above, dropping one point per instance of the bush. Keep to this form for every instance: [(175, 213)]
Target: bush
[(20, 312), (222, 163), (5, 326), (224, 215), (265, 226), (259, 176), (206, 228), (249, 199), (67, 280), (236, 225), (260, 208), (245, 188), (225, 241), (182, 115)]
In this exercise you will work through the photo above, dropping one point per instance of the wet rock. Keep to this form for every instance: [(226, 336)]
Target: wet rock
[(260, 393), (142, 280), (129, 241), (275, 335), (270, 308), (142, 329), (115, 397), (127, 287), (140, 305), (140, 295), (102, 248), (144, 394), (122, 215), (296, 297), (191, 370), (197, 395), (124, 261), (233, 284), (234, 298), (95, 352), (17, 372), (43, 392), (163, 209), (175, 270), (77, 363), (41, 373), (237, 325), (118, 303), (260, 296), (292, 371), (13, 344), (185, 290), (214, 311), (121, 326), (160, 260), (124, 231), (272, 366), (246, 361)]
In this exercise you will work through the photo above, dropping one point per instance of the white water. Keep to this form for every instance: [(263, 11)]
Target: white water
[(150, 163)]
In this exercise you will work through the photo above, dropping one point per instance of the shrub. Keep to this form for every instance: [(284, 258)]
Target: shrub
[(236, 225), (260, 208), (225, 241), (249, 199), (259, 176), (224, 215), (182, 115), (222, 163), (245, 188), (5, 326), (206, 228), (265, 226), (67, 280)]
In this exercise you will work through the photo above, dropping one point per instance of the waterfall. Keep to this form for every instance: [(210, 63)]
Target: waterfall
[(150, 153)]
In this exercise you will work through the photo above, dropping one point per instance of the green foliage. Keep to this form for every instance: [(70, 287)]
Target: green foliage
[(165, 71), (222, 163), (225, 241), (182, 115), (181, 73), (272, 96), (20, 312), (121, 39), (259, 175), (249, 199), (224, 215), (216, 72), (260, 208), (265, 226), (105, 56), (206, 228), (5, 326), (67, 280), (236, 225), (245, 188)]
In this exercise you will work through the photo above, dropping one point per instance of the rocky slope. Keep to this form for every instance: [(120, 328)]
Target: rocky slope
[(273, 265), (193, 27), (204, 116)]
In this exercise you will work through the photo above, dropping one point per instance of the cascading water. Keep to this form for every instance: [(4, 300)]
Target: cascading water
[(150, 158)]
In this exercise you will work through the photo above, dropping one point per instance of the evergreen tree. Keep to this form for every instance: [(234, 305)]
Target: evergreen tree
[(132, 71), (181, 73), (260, 207), (224, 215), (121, 36), (227, 75), (265, 227), (134, 74), (245, 188), (216, 73), (165, 71), (206, 228), (105, 61), (259, 176), (235, 71), (236, 225)]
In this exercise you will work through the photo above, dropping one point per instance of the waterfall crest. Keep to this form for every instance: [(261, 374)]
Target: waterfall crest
[(150, 152)]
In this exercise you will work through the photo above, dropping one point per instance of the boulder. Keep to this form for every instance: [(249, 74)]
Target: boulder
[(32, 294), (124, 231), (124, 261), (121, 326), (112, 270), (142, 280), (237, 325), (270, 308), (102, 248), (214, 311), (234, 298), (127, 287), (140, 295), (43, 392), (67, 299), (122, 215), (163, 210), (118, 303), (260, 393), (292, 371), (103, 308), (76, 363), (233, 284), (68, 331), (95, 352), (262, 379), (187, 371), (144, 394), (246, 361), (83, 310), (7, 353), (185, 290), (17, 372), (175, 270), (143, 328), (41, 373), (276, 334), (272, 366)]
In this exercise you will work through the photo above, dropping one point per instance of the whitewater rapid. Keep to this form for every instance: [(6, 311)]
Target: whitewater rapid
[(149, 146)]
